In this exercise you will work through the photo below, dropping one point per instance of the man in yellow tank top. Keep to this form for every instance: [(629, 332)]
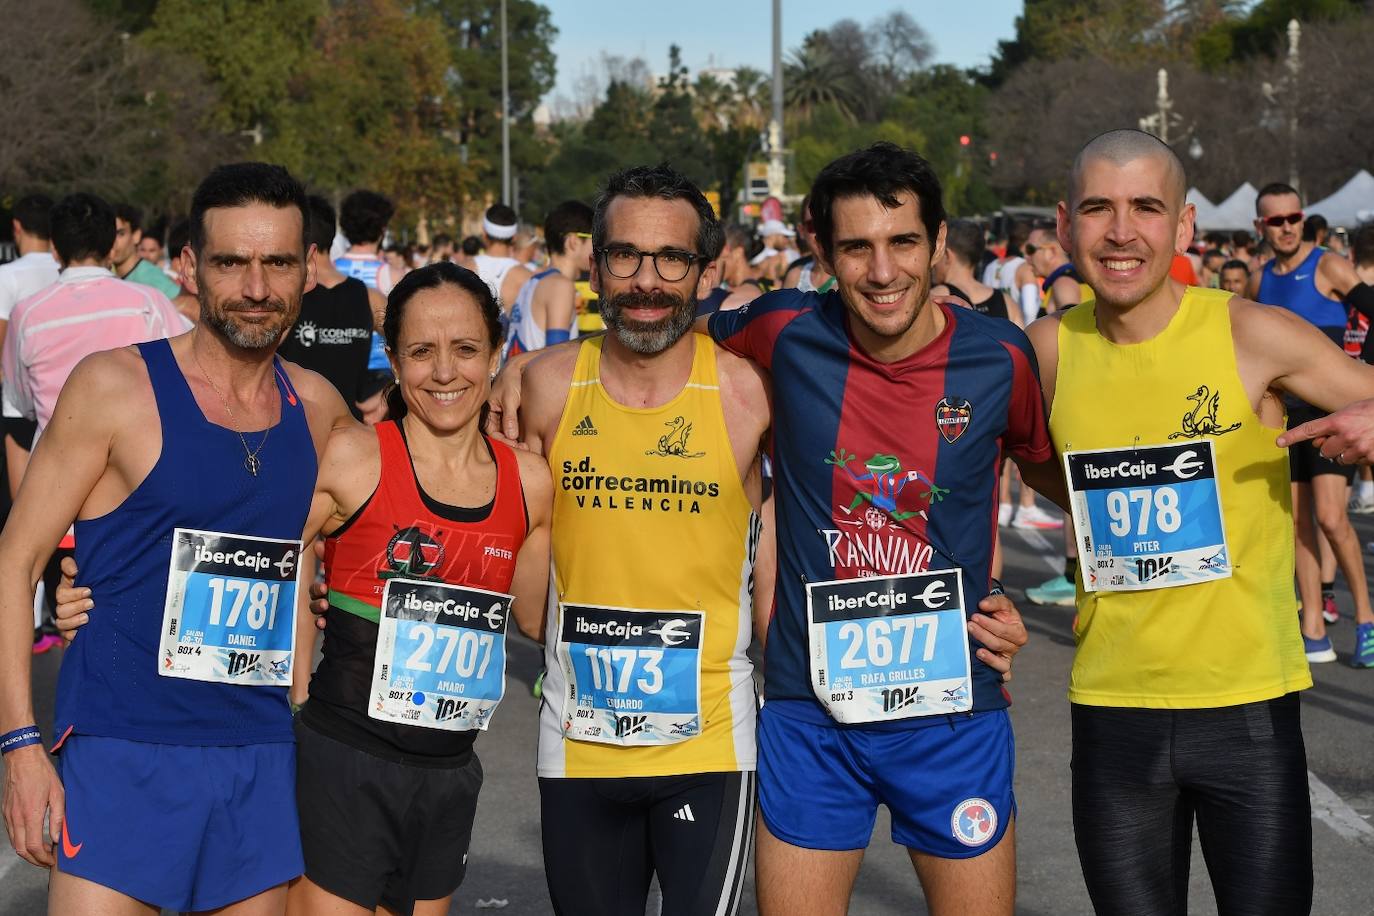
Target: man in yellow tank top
[(646, 745), (1164, 407)]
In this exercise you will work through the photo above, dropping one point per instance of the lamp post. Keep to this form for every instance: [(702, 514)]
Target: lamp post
[(505, 110), (1294, 67), (777, 169)]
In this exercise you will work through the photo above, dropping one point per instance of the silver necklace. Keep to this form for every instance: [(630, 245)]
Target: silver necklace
[(251, 462)]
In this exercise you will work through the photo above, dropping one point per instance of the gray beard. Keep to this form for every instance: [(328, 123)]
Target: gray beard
[(249, 337), (648, 338)]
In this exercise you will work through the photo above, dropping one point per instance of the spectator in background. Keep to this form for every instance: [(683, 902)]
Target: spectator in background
[(178, 237), (1315, 230), (738, 283), (35, 267), (1234, 276), (150, 249), (124, 256), (333, 334), (467, 253), (1212, 259), (363, 219), (441, 248), (1242, 246)]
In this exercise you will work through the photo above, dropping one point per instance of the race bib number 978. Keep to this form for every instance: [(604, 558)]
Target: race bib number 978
[(889, 647), (231, 609), (1147, 517), (634, 677), (441, 655)]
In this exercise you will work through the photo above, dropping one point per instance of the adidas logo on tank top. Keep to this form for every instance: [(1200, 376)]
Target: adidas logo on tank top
[(584, 427)]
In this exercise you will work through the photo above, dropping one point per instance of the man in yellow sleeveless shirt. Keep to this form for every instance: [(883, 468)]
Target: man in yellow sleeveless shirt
[(1165, 410), (646, 745)]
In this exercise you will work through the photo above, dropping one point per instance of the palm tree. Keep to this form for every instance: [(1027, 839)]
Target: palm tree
[(815, 79)]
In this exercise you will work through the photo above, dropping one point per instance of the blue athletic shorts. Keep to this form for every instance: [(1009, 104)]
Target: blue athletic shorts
[(947, 780), (181, 827)]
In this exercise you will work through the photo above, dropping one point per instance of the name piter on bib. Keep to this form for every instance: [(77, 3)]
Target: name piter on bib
[(889, 647), (230, 614), (441, 655), (1147, 517), (634, 677)]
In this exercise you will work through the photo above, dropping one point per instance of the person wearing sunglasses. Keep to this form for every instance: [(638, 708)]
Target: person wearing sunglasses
[(544, 312), (1324, 289)]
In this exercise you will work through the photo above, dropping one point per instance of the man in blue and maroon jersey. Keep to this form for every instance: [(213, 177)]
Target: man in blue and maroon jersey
[(891, 416)]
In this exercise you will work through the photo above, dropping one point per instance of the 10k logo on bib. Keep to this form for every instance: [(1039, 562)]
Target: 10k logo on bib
[(230, 613), (1147, 517)]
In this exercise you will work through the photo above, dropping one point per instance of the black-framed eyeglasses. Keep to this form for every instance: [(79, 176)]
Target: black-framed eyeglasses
[(672, 264)]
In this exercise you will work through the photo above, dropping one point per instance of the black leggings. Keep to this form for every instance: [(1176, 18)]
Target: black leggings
[(1140, 777), (605, 838)]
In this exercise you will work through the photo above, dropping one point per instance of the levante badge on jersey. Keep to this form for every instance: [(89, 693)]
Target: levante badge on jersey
[(952, 417)]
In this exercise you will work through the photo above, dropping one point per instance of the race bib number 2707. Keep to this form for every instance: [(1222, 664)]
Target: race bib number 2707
[(231, 609)]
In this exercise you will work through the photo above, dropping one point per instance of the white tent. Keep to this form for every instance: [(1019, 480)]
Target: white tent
[(1236, 211), (1206, 210), (1351, 205)]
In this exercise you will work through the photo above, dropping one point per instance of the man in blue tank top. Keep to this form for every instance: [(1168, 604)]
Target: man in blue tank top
[(188, 467), (1323, 288)]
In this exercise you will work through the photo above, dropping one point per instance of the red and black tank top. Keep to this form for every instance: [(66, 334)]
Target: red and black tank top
[(402, 532)]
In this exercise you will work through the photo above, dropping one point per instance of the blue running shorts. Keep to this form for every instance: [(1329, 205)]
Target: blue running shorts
[(946, 780), (181, 827)]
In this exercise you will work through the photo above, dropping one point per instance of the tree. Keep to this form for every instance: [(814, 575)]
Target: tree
[(899, 45), (816, 78)]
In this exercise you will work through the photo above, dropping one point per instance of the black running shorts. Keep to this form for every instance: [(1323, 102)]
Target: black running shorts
[(381, 832), (604, 839)]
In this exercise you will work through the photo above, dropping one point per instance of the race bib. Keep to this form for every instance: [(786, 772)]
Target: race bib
[(1147, 517), (889, 647), (441, 655), (230, 615), (634, 677)]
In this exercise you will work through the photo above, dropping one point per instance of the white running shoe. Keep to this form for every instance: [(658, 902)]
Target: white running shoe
[(1034, 517), (1004, 511)]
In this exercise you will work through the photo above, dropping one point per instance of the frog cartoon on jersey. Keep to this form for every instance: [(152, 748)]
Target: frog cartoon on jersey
[(883, 484)]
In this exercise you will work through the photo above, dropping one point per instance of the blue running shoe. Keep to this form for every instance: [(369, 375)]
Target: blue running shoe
[(1319, 650), (1058, 591), (1364, 646)]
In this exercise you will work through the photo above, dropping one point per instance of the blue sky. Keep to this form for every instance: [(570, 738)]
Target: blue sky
[(728, 33)]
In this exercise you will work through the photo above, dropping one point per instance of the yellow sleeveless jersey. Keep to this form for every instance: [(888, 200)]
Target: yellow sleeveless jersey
[(1085, 294), (1190, 492), (650, 611)]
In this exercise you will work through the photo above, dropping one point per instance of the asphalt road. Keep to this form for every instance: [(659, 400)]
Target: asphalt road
[(505, 872)]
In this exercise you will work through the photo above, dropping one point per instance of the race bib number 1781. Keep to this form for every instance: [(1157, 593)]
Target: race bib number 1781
[(231, 609)]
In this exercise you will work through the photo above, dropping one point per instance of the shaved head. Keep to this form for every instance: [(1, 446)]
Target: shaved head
[(1127, 145)]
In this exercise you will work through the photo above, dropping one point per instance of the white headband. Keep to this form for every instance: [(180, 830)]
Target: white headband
[(496, 230)]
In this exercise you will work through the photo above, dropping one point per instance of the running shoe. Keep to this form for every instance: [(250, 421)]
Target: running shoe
[(1004, 515), (1330, 613), (1319, 650), (46, 643), (1361, 506), (1033, 517), (1058, 591), (1364, 646)]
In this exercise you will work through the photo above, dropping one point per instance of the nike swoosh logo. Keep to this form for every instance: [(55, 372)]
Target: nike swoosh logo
[(68, 849), (290, 392), (1301, 276)]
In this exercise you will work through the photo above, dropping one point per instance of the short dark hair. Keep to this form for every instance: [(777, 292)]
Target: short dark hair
[(883, 171), (178, 237), (472, 245), (364, 216), (83, 227), (242, 183), (1362, 245), (322, 221), (1242, 238), (1016, 237), (432, 276), (131, 215), (569, 216), (1213, 253), (442, 238), (736, 236), (1235, 264), (965, 238), (663, 183), (1274, 189), (1312, 225), (34, 214)]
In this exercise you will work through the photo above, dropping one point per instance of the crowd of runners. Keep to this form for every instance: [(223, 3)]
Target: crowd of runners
[(288, 490)]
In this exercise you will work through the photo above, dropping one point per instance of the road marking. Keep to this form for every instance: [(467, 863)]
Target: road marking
[(1047, 551), (1331, 809)]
